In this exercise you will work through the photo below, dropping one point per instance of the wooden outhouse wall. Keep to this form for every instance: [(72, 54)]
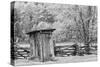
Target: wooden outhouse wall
[(32, 43), (42, 45)]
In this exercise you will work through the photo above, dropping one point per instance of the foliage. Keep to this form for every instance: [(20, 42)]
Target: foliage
[(72, 22)]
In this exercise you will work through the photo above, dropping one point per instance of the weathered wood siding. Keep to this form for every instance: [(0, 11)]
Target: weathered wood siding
[(42, 45), (32, 43)]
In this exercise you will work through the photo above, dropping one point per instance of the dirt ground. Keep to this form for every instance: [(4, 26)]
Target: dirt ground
[(69, 59)]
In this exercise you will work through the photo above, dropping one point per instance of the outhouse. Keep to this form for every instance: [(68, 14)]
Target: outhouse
[(42, 44)]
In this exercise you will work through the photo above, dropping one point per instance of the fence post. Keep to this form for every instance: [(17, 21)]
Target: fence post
[(76, 49)]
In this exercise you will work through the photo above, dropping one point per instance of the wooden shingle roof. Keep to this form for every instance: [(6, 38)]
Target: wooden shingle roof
[(43, 30)]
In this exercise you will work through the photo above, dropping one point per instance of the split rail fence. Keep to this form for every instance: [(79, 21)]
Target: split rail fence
[(60, 51)]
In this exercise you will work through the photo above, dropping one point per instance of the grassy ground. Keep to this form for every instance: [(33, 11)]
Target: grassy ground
[(69, 59)]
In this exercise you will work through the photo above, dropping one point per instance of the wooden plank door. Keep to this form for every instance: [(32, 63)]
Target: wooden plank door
[(44, 47)]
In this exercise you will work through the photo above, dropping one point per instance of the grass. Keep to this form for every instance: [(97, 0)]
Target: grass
[(69, 59)]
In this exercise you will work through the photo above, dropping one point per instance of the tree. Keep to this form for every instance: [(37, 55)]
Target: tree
[(84, 24), (28, 16)]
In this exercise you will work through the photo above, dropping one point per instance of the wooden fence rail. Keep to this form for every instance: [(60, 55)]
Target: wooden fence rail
[(22, 51), (71, 50)]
